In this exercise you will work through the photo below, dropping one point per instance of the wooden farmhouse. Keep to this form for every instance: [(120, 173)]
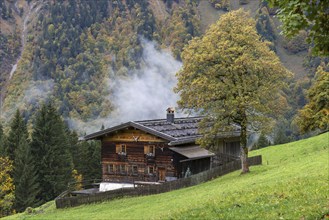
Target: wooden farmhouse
[(157, 150)]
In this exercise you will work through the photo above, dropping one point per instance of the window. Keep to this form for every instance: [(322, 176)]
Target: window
[(121, 149), (111, 168), (150, 170), (134, 169), (122, 168), (149, 150)]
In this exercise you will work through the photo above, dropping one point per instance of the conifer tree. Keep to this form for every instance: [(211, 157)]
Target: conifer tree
[(50, 148), (17, 131), (25, 177), (262, 141), (94, 153), (2, 138), (73, 139), (87, 160)]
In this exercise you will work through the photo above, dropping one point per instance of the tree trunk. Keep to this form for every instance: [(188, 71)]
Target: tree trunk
[(244, 160), (243, 143)]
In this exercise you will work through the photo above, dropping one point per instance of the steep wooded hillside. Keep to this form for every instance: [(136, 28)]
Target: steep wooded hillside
[(72, 51), (79, 53)]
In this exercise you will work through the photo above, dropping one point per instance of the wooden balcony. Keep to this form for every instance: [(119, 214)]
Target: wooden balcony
[(150, 158), (122, 156)]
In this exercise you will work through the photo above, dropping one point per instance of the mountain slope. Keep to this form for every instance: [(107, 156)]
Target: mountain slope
[(74, 53), (292, 183)]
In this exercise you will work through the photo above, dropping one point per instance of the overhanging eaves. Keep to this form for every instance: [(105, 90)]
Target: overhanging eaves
[(99, 134)]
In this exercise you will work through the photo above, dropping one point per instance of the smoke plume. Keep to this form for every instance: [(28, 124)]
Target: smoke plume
[(146, 94), (149, 92), (36, 93)]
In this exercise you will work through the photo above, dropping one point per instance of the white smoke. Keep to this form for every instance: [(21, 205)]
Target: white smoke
[(36, 93), (145, 94), (149, 92)]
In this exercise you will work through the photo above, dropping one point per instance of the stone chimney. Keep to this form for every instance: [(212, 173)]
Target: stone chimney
[(170, 114)]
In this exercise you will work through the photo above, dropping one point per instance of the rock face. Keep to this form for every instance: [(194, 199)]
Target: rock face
[(16, 20)]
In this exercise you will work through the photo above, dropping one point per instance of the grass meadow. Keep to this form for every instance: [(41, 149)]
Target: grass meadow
[(292, 183)]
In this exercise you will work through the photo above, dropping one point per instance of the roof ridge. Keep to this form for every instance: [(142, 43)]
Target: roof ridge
[(161, 134), (163, 119)]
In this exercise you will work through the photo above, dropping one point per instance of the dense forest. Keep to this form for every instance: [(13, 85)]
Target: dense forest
[(73, 46), (60, 62), (36, 167), (72, 52)]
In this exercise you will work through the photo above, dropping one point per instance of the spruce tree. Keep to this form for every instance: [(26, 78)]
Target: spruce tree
[(73, 139), (17, 131), (2, 140), (25, 177), (95, 162), (50, 148), (87, 160), (262, 141)]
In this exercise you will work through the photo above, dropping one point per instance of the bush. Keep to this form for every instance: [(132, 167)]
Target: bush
[(243, 2), (296, 44)]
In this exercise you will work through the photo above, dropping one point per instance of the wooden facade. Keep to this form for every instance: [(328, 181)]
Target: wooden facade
[(229, 146), (155, 150), (133, 155)]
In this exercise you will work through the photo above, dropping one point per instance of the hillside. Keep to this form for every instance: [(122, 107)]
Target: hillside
[(89, 58), (292, 183)]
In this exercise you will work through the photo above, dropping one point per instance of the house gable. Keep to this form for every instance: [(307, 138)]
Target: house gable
[(131, 134), (113, 130)]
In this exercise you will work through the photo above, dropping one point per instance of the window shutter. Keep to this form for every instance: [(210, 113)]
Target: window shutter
[(145, 149), (118, 148)]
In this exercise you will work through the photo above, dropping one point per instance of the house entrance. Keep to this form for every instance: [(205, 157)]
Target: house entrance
[(162, 174)]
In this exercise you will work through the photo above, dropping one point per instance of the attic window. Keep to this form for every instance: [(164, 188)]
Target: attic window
[(149, 150), (121, 149)]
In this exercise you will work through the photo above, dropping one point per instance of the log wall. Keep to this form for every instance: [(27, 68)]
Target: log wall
[(135, 157)]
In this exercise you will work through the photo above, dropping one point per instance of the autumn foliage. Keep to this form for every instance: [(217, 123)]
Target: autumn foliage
[(7, 187)]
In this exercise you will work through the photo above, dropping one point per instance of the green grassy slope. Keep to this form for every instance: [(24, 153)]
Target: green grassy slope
[(292, 183)]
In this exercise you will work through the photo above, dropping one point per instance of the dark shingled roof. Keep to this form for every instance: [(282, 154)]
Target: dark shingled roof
[(183, 130)]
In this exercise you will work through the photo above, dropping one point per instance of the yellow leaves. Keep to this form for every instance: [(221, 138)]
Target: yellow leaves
[(230, 69), (6, 186), (78, 179), (316, 113)]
